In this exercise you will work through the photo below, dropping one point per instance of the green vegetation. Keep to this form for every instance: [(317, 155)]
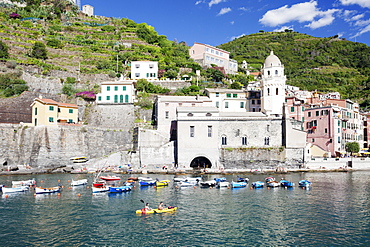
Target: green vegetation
[(3, 50), (323, 64), (12, 85), (352, 147)]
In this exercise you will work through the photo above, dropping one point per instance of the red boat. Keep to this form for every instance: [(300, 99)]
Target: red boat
[(110, 178), (99, 184)]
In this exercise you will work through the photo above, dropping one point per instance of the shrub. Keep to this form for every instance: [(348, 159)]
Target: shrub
[(3, 50), (39, 50), (108, 28), (54, 43), (87, 95)]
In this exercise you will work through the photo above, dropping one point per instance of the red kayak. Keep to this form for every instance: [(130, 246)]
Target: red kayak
[(110, 178)]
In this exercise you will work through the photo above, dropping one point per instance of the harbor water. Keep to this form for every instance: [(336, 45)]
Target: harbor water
[(334, 212)]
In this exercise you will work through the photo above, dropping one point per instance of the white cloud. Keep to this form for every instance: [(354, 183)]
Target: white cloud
[(198, 2), (327, 19), (243, 9), (362, 22), (364, 30), (362, 3), (282, 29), (236, 37), (232, 22), (300, 12), (357, 17), (212, 2), (224, 11)]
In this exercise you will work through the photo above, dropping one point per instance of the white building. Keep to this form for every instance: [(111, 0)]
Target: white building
[(116, 92), (227, 100), (273, 86), (206, 55), (88, 10), (144, 70)]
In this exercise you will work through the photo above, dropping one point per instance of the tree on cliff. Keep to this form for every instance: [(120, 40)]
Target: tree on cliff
[(4, 50), (39, 50)]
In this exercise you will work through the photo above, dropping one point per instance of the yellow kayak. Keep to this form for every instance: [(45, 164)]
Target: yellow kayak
[(157, 211), (162, 183)]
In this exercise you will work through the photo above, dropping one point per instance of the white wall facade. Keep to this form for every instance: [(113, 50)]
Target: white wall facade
[(116, 92), (227, 100), (88, 10), (144, 70)]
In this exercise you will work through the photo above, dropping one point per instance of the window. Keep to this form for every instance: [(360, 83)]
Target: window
[(292, 109), (235, 95), (259, 101), (302, 108), (108, 97), (210, 131), (268, 72), (277, 91), (268, 128), (302, 119), (70, 120), (244, 140), (124, 88), (70, 110), (51, 120), (317, 113), (223, 140), (326, 130), (217, 104), (115, 98), (276, 72), (126, 98), (226, 104), (313, 140), (191, 131), (267, 141), (51, 108), (59, 110), (115, 88), (121, 99), (268, 91), (338, 130), (99, 98), (151, 66), (167, 114), (217, 94), (309, 114), (338, 139), (137, 66), (35, 110), (108, 88), (253, 101), (137, 74), (228, 95), (241, 104)]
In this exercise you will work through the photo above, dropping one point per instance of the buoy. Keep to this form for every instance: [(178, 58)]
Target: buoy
[(228, 187), (134, 187), (58, 180), (195, 187), (92, 194), (87, 187), (210, 187), (41, 181), (6, 196), (268, 188), (155, 187), (78, 194), (69, 188), (63, 187), (251, 188), (176, 187), (68, 181), (58, 194), (34, 194)]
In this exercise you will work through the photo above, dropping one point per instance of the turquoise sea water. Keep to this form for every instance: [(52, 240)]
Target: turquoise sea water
[(335, 212)]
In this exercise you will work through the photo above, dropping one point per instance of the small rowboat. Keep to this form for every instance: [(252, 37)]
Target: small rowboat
[(238, 184), (39, 190), (273, 184), (110, 178), (79, 182), (100, 189), (162, 183), (119, 189), (285, 183), (15, 189), (147, 183), (157, 211), (207, 184), (258, 184), (24, 182), (304, 183)]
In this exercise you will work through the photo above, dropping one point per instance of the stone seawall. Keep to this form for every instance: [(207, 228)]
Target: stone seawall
[(51, 147)]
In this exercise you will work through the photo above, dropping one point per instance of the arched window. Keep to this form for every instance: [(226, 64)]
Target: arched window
[(223, 140), (268, 72), (277, 91), (276, 72)]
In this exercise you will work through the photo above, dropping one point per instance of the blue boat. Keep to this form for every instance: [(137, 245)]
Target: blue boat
[(243, 179), (304, 183), (220, 180), (258, 184), (285, 183), (147, 183), (238, 184), (119, 189)]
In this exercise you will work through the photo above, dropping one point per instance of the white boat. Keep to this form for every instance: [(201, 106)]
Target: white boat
[(186, 184), (39, 190), (273, 184), (209, 183), (177, 180), (223, 184), (100, 189), (15, 189), (24, 182), (79, 182)]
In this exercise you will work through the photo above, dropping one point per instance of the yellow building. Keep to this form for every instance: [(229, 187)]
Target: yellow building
[(50, 112)]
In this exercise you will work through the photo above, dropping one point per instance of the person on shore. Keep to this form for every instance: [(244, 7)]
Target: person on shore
[(160, 206)]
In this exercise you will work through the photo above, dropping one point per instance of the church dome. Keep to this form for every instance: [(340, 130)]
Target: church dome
[(272, 60)]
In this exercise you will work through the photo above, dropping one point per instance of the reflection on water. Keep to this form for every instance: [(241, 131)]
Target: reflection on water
[(335, 211)]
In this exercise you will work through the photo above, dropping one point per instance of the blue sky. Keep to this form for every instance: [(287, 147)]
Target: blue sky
[(215, 22)]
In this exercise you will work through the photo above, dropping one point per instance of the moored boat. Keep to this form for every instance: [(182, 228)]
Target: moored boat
[(147, 183), (40, 190), (285, 183), (273, 184), (119, 189), (162, 183), (29, 182), (240, 179), (221, 182), (269, 179), (157, 211), (100, 189), (15, 189), (79, 182), (238, 184), (258, 184), (110, 178), (304, 183), (207, 184)]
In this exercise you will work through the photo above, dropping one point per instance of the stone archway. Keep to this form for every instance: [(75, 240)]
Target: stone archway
[(200, 162)]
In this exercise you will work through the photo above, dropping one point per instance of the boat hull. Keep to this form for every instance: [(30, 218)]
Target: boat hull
[(110, 178), (39, 190), (162, 183), (79, 182), (238, 184), (14, 190), (119, 189)]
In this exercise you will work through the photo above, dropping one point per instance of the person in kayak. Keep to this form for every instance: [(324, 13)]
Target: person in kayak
[(147, 208), (160, 206)]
